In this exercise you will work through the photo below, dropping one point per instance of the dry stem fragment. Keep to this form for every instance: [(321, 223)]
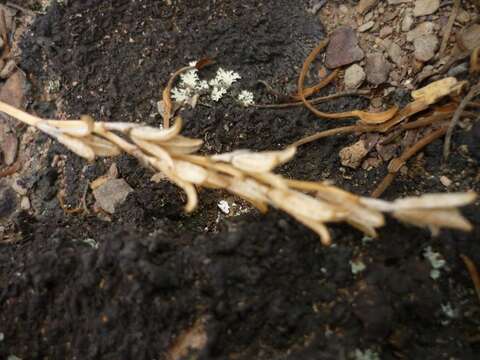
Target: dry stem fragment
[(244, 173)]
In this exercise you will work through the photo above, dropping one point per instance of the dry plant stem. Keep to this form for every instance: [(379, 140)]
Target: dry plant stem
[(317, 100), (475, 62), (167, 100), (474, 91), (396, 164), (448, 28), (246, 174), (472, 270), (330, 132), (368, 118), (322, 83)]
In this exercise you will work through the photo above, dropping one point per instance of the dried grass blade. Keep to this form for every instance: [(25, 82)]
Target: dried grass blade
[(101, 146)]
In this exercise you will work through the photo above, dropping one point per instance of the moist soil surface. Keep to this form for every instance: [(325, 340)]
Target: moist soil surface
[(258, 286)]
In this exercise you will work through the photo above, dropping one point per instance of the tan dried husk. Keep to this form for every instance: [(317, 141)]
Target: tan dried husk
[(247, 174)]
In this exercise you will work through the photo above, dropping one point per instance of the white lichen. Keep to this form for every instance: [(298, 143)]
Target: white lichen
[(357, 266), (436, 261), (365, 355), (217, 93), (180, 95), (450, 313), (224, 206), (90, 242), (224, 78), (189, 79), (246, 98), (53, 86)]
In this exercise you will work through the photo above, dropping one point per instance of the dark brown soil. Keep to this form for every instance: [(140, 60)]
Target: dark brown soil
[(265, 286)]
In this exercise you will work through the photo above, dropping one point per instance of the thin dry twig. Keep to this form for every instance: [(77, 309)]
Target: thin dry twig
[(397, 163), (474, 91), (449, 27), (472, 270), (316, 100)]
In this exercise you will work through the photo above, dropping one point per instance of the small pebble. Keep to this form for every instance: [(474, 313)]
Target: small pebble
[(445, 181), (367, 26)]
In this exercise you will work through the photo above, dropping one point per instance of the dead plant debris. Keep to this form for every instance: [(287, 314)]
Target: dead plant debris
[(244, 173)]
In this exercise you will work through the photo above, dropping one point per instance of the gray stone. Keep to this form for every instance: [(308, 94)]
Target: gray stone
[(367, 26), (407, 21), (396, 2), (396, 54), (458, 70), (425, 47), (385, 31), (8, 143), (425, 7), (343, 48), (378, 69), (354, 76), (111, 194), (425, 28)]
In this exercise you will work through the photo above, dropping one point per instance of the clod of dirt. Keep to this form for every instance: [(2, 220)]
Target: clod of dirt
[(8, 200), (353, 155), (343, 48), (111, 194)]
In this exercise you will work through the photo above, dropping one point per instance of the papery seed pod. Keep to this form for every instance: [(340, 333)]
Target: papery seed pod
[(190, 172), (440, 218), (251, 191), (257, 162), (102, 147), (435, 201), (182, 145), (295, 202), (73, 144), (77, 128), (156, 135), (155, 150)]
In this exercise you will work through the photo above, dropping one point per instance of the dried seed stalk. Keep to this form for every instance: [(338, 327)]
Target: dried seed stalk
[(244, 173)]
